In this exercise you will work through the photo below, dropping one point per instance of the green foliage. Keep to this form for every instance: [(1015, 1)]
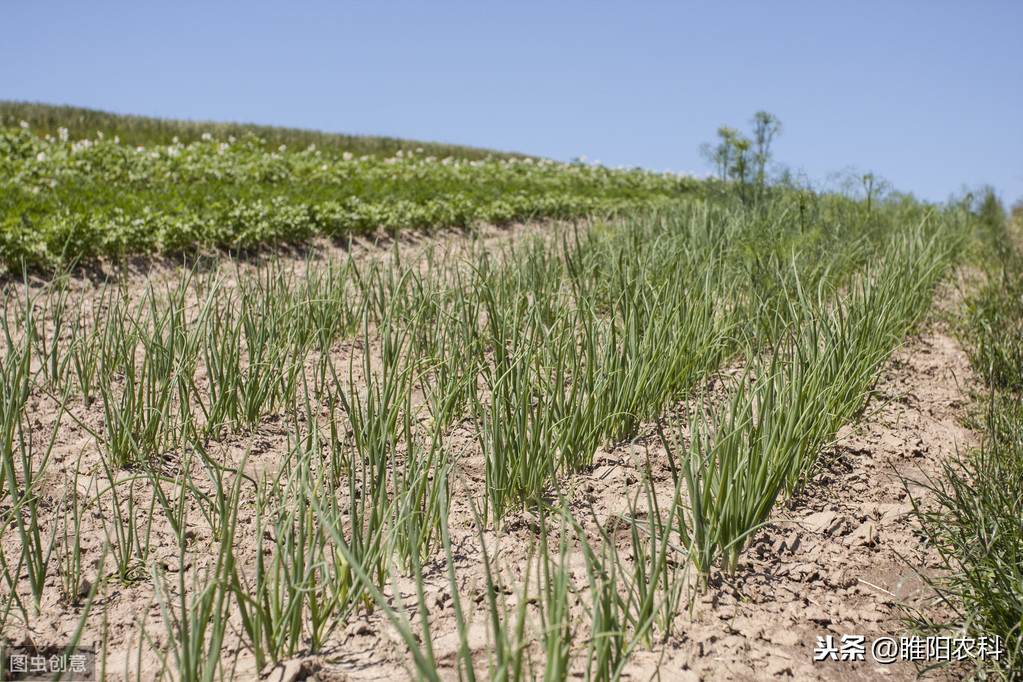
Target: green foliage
[(994, 329), (993, 324), (992, 228), (64, 199)]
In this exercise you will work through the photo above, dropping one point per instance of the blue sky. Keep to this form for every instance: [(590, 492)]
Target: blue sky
[(928, 95)]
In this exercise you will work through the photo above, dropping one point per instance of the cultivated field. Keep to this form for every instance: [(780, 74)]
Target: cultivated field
[(654, 430)]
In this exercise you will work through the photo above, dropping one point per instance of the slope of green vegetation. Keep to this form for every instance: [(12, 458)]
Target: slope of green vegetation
[(63, 198), (81, 123)]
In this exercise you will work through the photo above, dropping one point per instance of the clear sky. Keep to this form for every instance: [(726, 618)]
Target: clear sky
[(928, 95)]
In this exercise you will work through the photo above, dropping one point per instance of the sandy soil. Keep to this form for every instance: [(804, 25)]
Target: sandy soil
[(839, 560)]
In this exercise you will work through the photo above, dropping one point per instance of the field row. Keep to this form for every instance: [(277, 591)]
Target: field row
[(542, 352)]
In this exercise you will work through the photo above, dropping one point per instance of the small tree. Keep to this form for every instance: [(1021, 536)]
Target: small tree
[(765, 128), (742, 159), (868, 187)]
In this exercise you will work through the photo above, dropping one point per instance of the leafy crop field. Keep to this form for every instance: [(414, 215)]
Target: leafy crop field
[(64, 198), (554, 449)]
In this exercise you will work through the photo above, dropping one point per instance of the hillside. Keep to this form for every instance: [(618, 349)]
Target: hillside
[(144, 130), (125, 185)]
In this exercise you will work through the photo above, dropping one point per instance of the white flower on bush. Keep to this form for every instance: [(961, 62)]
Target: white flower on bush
[(41, 156), (347, 156), (206, 137), (62, 134), (24, 125)]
